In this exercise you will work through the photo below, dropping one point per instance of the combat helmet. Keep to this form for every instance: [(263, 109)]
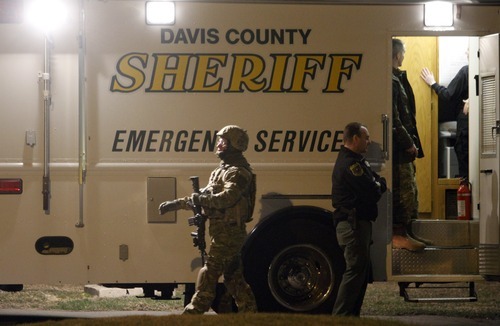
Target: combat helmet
[(237, 137)]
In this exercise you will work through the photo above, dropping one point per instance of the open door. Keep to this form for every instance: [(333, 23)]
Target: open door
[(489, 161)]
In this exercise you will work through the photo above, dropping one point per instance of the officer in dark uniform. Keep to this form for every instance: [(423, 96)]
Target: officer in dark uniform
[(356, 189)]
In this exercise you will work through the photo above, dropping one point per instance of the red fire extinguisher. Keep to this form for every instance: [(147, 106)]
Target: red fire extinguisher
[(464, 200)]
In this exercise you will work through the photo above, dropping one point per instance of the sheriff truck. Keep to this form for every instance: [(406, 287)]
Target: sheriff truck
[(108, 111)]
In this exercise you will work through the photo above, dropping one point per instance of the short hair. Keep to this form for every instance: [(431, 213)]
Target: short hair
[(397, 47), (352, 129)]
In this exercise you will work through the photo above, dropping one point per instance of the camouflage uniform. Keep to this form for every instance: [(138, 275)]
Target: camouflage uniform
[(227, 209), (405, 133), (227, 201), (405, 194)]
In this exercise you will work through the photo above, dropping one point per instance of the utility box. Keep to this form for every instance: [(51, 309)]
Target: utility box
[(160, 189)]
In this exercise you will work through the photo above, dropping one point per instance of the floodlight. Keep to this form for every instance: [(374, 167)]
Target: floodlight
[(46, 14)]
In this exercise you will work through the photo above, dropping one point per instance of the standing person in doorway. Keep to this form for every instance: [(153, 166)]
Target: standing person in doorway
[(406, 148), (356, 189), (456, 94), (227, 201)]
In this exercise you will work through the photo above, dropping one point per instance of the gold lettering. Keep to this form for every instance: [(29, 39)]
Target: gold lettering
[(339, 69), (177, 73), (247, 68), (126, 69), (276, 84), (302, 68), (190, 72), (204, 69)]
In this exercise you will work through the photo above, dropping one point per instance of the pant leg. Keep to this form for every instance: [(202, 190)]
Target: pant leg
[(205, 289), (234, 279), (356, 247), (238, 288), (405, 194), (208, 277)]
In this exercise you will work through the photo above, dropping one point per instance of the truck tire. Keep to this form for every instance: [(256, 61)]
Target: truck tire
[(294, 264)]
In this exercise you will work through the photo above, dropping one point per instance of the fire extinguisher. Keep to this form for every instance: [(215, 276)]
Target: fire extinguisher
[(464, 200)]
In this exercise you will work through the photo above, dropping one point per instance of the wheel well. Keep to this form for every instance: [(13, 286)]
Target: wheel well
[(296, 241), (273, 222)]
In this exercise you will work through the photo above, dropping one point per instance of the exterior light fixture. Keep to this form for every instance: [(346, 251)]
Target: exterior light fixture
[(46, 14), (160, 12), (438, 14)]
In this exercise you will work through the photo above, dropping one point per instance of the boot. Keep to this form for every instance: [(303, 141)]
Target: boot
[(190, 309), (401, 240), (425, 241), (418, 238)]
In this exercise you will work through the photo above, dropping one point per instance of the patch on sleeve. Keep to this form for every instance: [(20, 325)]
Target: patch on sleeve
[(356, 169)]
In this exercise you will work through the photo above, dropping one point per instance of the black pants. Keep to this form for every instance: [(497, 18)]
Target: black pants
[(462, 145)]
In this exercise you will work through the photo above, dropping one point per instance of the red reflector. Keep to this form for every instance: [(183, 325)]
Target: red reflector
[(11, 186)]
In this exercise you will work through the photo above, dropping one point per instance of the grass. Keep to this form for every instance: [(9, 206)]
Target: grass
[(73, 298), (232, 319), (382, 299)]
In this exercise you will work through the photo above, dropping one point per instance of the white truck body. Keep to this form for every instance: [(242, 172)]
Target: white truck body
[(132, 111)]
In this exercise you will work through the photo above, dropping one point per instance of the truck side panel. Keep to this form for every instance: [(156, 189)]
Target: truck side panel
[(155, 97)]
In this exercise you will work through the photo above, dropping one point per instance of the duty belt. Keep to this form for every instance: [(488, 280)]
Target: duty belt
[(349, 215)]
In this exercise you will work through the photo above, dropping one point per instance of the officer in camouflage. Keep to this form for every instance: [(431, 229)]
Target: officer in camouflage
[(406, 149), (227, 202)]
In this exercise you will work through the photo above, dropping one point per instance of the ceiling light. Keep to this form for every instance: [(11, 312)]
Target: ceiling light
[(438, 14)]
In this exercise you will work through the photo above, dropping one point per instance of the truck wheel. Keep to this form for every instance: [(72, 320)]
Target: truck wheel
[(300, 277), (295, 268)]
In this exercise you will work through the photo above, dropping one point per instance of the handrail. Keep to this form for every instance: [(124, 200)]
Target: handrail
[(45, 76), (385, 136), (82, 118)]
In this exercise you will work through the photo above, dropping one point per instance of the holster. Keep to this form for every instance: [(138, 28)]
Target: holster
[(349, 215)]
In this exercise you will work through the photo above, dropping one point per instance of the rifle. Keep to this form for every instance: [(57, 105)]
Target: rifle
[(199, 221)]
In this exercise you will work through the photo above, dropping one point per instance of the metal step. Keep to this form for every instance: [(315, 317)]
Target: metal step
[(454, 250), (448, 233), (454, 292), (436, 261)]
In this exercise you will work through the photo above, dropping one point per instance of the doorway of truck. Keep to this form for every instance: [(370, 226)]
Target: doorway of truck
[(455, 253), (437, 171)]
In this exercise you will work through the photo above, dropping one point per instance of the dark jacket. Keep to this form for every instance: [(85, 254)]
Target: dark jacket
[(405, 132), (355, 185), (456, 92), (453, 96)]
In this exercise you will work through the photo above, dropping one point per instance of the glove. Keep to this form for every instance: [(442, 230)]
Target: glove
[(199, 199), (169, 206)]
